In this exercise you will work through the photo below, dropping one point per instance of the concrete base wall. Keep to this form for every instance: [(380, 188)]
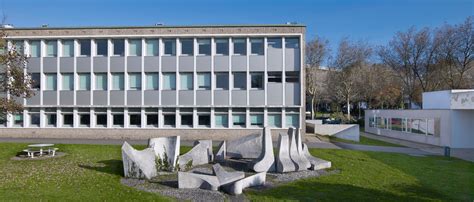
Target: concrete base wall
[(343, 131), (133, 134)]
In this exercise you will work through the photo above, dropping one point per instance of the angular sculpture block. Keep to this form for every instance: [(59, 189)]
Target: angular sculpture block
[(316, 163), (221, 153), (208, 144), (246, 147), (294, 155), (299, 147), (199, 155), (283, 162), (138, 164), (226, 177), (166, 145), (266, 161), (237, 187), (188, 180)]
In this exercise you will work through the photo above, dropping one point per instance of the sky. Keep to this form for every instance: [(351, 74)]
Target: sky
[(374, 21)]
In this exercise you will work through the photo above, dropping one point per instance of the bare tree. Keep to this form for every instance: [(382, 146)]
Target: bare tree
[(317, 51)]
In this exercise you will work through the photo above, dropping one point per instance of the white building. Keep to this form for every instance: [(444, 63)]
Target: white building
[(447, 119)]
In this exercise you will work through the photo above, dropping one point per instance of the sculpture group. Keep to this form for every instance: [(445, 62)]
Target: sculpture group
[(162, 154)]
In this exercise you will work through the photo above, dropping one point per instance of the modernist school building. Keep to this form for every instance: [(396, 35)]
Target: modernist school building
[(161, 77)]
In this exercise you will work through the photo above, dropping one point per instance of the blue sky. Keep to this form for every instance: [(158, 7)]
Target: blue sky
[(372, 20)]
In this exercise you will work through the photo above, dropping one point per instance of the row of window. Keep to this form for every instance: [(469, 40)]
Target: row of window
[(168, 80), (169, 116), (152, 48), (410, 125)]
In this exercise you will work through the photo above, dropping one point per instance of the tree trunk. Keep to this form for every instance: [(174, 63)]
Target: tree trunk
[(312, 107), (348, 110)]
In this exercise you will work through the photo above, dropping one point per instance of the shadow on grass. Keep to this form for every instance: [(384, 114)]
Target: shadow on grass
[(112, 166)]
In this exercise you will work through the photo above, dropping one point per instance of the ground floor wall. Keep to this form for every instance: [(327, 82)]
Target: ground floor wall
[(463, 128), (133, 134)]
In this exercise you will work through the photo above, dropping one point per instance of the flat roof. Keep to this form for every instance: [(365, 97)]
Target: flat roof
[(158, 26)]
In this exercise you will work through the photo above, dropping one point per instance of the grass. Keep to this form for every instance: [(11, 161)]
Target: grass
[(365, 141), (93, 172)]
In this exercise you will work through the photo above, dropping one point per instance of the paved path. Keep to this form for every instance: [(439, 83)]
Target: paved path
[(400, 150)]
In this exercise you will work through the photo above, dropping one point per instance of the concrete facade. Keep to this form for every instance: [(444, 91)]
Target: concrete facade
[(86, 81)]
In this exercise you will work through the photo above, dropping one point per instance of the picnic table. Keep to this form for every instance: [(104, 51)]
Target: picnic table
[(40, 148)]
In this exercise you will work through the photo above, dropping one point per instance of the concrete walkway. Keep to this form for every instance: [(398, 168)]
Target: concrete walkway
[(400, 150)]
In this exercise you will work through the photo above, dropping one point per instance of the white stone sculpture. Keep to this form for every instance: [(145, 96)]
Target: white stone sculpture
[(166, 145), (237, 187), (299, 147), (198, 155), (138, 164), (226, 177), (266, 161), (187, 180), (283, 162), (316, 163), (249, 146), (221, 152), (208, 144), (294, 155)]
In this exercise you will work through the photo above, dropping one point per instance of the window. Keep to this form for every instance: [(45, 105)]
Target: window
[(186, 81), (101, 81), (135, 117), (169, 81), (84, 81), (85, 47), (100, 117), (135, 81), (204, 81), (68, 48), (119, 47), (204, 117), (117, 117), (34, 117), (274, 77), (274, 43), (51, 48), (117, 81), (36, 78), (151, 81), (35, 48), (51, 81), (102, 48), (240, 47), (68, 117), (256, 117), (84, 117), (221, 120), (170, 47), (169, 120), (372, 122), (240, 81), (222, 81), (50, 117), (256, 80), (135, 47), (187, 120), (152, 47), (18, 120), (19, 48), (256, 46), (204, 46), (418, 126), (222, 47), (274, 120), (292, 43), (239, 117), (187, 46), (68, 82), (292, 120), (292, 77), (396, 124), (151, 117), (431, 128)]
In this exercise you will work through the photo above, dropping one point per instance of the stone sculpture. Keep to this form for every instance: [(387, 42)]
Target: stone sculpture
[(299, 147), (283, 162), (166, 145), (237, 187), (138, 164), (316, 163), (294, 155), (266, 160), (208, 144), (224, 176), (246, 147), (198, 155), (221, 152), (187, 180)]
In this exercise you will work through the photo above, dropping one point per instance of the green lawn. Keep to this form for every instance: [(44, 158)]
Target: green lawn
[(365, 141), (93, 172)]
